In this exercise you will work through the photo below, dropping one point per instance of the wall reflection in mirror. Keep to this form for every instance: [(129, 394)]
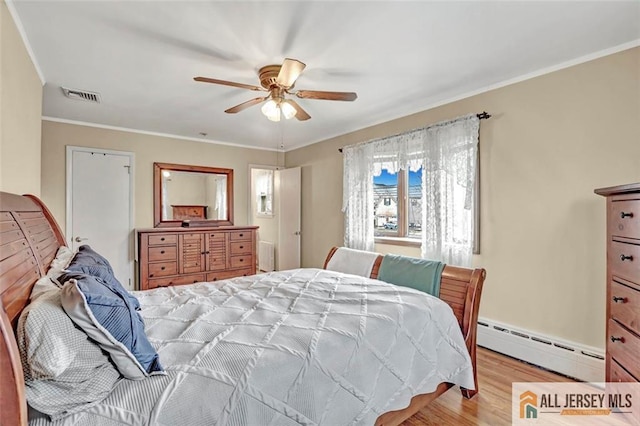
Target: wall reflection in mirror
[(193, 196)]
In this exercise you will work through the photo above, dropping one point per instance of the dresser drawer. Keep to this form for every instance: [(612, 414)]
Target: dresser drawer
[(624, 218), (216, 236), (619, 374), (241, 261), (162, 269), (223, 275), (241, 247), (156, 240), (180, 280), (240, 235), (624, 306), (624, 347), (624, 260), (158, 254)]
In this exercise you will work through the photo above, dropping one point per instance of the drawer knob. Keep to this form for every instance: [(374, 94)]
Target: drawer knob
[(150, 275), (623, 215), (241, 260), (624, 257), (241, 247), (162, 239), (242, 235), (617, 339), (161, 251), (162, 268), (618, 299)]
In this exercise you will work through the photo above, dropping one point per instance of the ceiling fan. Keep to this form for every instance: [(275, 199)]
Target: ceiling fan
[(278, 81)]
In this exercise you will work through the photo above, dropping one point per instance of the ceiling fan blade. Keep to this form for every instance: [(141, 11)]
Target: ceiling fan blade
[(300, 113), (289, 72), (245, 105), (331, 96), (229, 83)]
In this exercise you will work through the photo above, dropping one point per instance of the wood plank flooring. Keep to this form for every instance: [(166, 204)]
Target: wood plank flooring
[(492, 405)]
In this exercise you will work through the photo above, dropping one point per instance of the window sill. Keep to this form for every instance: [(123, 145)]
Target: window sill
[(398, 241)]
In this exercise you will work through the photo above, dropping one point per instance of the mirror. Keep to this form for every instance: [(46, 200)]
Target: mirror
[(262, 190), (192, 195)]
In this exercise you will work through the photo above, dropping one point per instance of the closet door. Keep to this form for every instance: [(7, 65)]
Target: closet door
[(100, 206), (192, 252), (216, 252)]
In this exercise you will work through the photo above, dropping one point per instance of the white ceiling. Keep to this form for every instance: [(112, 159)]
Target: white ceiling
[(400, 57)]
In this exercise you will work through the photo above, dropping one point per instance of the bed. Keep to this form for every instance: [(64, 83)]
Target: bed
[(31, 239)]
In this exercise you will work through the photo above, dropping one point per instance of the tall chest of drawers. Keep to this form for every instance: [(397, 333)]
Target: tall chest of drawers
[(623, 282), (176, 256)]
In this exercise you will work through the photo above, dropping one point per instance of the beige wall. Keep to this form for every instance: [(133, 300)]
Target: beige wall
[(551, 141), (20, 112), (147, 149)]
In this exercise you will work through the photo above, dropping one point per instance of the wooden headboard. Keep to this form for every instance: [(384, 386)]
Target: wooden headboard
[(461, 288), (29, 240)]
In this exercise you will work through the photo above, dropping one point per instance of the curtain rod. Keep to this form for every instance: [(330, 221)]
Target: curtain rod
[(484, 115)]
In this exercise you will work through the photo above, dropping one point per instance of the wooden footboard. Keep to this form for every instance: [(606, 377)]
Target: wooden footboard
[(461, 289)]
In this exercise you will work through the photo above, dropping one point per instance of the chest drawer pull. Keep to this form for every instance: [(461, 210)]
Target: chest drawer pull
[(623, 215), (624, 257), (618, 299), (617, 339)]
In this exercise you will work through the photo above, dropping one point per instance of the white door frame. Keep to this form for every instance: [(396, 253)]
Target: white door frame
[(69, 196)]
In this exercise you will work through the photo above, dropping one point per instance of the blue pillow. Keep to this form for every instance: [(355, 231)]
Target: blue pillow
[(90, 262), (108, 317)]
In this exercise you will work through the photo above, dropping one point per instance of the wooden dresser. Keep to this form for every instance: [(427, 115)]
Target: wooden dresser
[(623, 282), (175, 256)]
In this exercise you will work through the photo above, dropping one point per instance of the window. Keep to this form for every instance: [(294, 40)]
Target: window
[(447, 153), (393, 218)]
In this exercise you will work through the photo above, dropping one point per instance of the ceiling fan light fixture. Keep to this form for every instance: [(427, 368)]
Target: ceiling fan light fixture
[(287, 110), (271, 110)]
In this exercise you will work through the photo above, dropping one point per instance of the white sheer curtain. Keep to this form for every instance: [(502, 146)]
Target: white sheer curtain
[(357, 196), (221, 198), (448, 153), (448, 186)]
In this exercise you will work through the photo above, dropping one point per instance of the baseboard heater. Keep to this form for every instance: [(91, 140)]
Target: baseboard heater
[(266, 256), (564, 357)]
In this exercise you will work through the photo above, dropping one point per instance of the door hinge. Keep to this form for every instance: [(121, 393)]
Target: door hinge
[(128, 169)]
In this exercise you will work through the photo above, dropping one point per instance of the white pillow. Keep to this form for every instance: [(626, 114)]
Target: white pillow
[(49, 281), (64, 370)]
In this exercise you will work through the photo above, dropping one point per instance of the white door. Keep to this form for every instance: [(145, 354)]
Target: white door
[(99, 206), (289, 201)]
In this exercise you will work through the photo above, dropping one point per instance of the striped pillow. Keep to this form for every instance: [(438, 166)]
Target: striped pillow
[(108, 317)]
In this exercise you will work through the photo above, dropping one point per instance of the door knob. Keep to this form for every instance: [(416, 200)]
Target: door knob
[(78, 239)]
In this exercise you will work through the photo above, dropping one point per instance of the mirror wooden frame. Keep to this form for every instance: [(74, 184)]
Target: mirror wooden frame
[(158, 222)]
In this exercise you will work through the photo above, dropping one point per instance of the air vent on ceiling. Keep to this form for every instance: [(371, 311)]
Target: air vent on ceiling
[(82, 95)]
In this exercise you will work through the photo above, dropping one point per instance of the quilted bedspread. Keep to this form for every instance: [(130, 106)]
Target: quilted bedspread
[(306, 346)]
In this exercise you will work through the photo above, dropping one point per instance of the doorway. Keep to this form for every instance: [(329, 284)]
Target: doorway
[(275, 206), (100, 206)]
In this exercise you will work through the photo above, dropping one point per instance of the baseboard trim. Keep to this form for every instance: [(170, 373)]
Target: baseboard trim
[(568, 358)]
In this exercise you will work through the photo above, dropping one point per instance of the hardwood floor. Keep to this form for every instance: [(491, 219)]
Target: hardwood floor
[(492, 405)]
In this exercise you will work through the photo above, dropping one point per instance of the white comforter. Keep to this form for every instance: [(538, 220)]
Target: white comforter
[(305, 346)]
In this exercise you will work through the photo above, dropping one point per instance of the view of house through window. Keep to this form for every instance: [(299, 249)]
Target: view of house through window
[(393, 218)]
